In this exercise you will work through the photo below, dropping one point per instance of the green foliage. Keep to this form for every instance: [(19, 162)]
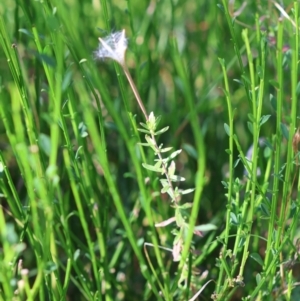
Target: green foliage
[(96, 197)]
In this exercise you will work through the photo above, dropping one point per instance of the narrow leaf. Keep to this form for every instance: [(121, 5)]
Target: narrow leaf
[(257, 258), (161, 131), (171, 169), (250, 127), (186, 206), (251, 117), (151, 143), (265, 211), (158, 164), (273, 102), (165, 223), (284, 131), (152, 168), (164, 182), (264, 119), (239, 82), (27, 32), (175, 178), (233, 218), (174, 154), (143, 131), (206, 227), (166, 149), (191, 151), (144, 125), (242, 242), (258, 278), (227, 129), (165, 189), (186, 191), (45, 144)]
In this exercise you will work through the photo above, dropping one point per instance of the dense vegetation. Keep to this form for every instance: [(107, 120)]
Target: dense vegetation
[(94, 204)]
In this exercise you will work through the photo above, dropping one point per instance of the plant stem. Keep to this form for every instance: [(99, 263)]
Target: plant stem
[(135, 91)]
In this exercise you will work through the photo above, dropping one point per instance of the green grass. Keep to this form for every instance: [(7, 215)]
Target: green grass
[(78, 209)]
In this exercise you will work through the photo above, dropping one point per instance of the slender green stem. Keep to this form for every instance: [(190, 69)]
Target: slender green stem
[(278, 143), (230, 22), (256, 113), (200, 179), (231, 175)]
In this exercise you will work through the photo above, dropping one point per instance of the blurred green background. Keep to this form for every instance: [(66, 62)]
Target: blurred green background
[(203, 36)]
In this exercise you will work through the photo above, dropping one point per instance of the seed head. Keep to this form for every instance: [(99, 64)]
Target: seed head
[(113, 47)]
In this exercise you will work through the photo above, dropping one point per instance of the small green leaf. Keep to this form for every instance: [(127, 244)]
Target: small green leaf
[(171, 194), (227, 129), (174, 154), (265, 210), (191, 151), (143, 131), (175, 178), (284, 131), (158, 164), (274, 83), (82, 130), (27, 32), (238, 81), (225, 184), (242, 242), (151, 143), (258, 278), (235, 164), (250, 127), (164, 182), (257, 258), (45, 144), (233, 218), (152, 168), (206, 227), (157, 120), (179, 218), (164, 150), (161, 131), (251, 117), (186, 191), (186, 206), (76, 255), (273, 102), (144, 125), (264, 119), (165, 189), (228, 151), (171, 169)]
